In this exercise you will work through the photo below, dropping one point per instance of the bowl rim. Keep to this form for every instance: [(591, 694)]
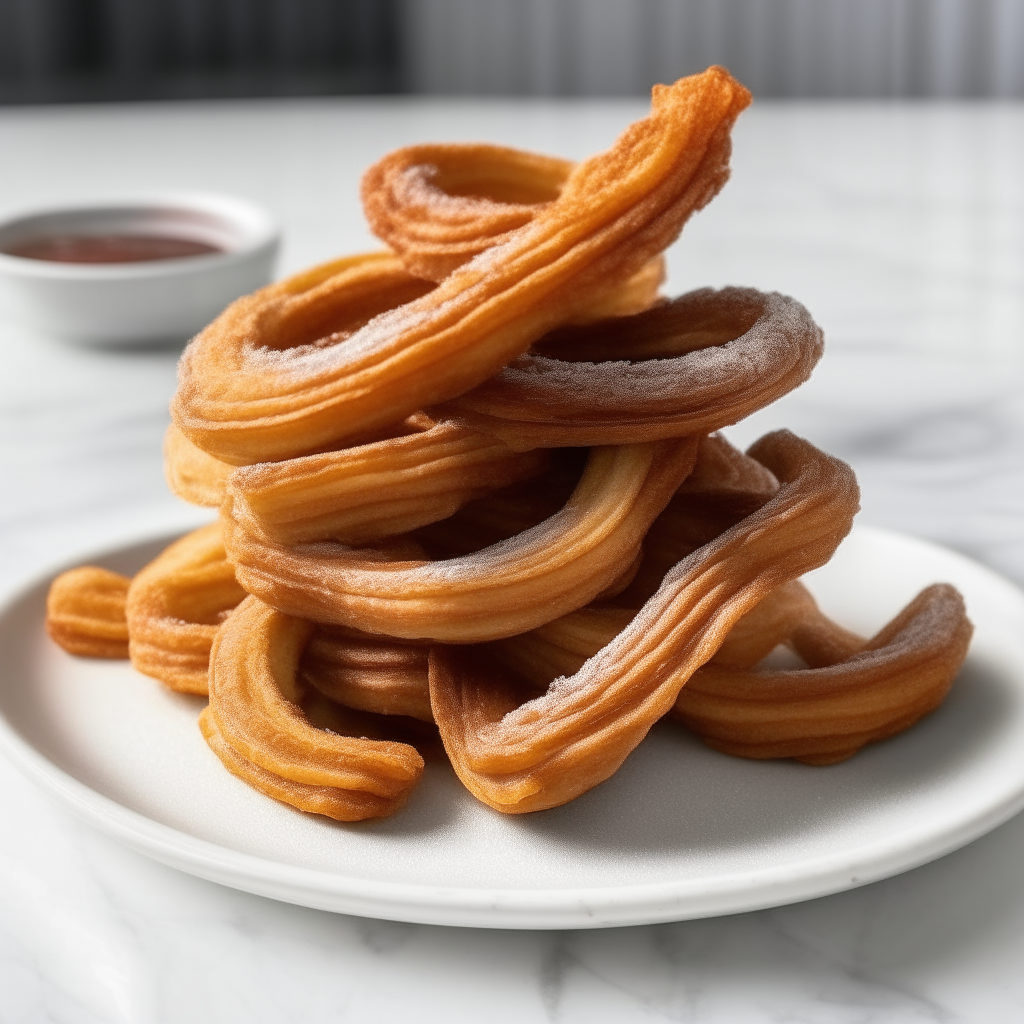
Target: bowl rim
[(258, 229)]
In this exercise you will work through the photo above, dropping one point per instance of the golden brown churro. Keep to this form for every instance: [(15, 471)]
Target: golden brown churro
[(470, 488), (551, 749), (510, 587), (690, 366), (252, 387), (254, 711), (175, 607), (828, 711), (85, 612)]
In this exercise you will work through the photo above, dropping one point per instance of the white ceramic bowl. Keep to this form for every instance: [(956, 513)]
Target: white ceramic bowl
[(145, 302)]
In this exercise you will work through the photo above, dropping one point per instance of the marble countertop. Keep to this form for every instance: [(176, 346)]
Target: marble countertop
[(902, 230)]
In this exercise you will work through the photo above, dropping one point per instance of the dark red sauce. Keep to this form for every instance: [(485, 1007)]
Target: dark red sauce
[(108, 248)]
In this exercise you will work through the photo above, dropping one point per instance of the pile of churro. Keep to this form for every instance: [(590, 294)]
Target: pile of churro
[(473, 501)]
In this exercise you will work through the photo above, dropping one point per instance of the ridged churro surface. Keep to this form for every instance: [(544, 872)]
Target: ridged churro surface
[(471, 498)]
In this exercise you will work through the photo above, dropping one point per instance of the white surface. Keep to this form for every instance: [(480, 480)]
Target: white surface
[(679, 831), (901, 229), (147, 302)]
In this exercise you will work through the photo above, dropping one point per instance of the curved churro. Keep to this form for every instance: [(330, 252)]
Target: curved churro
[(249, 392), (439, 206), (510, 587), (555, 747), (377, 490), (826, 713), (251, 387), (175, 606), (254, 718), (690, 366), (85, 612)]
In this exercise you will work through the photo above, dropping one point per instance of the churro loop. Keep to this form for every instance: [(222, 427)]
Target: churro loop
[(438, 206), (252, 387), (453, 472), (725, 487), (85, 612), (826, 713), (326, 800), (691, 366), (525, 757), (175, 606), (191, 474), (561, 564), (255, 386), (254, 717), (377, 674), (377, 490)]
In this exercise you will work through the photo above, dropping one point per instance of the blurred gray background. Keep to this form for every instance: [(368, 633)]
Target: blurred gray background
[(87, 50)]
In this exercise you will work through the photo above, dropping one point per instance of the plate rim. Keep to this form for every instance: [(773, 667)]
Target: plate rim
[(480, 906)]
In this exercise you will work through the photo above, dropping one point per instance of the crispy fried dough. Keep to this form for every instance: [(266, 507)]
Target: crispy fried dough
[(525, 757), (490, 438), (288, 371), (85, 612), (561, 564), (691, 366), (377, 490), (254, 719), (175, 606), (824, 714)]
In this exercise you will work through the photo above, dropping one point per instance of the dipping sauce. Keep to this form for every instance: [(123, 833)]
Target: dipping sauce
[(108, 248)]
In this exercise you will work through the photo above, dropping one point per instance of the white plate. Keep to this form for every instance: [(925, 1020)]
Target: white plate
[(679, 832)]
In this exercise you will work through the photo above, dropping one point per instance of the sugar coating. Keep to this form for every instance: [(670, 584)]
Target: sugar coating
[(372, 338), (769, 349), (387, 331), (596, 672), (324, 562), (414, 187)]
